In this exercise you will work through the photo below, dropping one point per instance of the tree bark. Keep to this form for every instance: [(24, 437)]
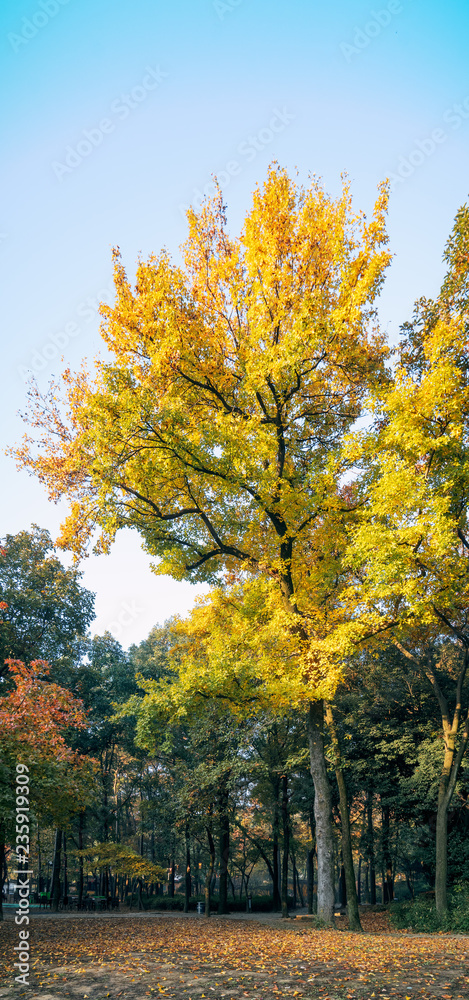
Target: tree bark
[(322, 813), (447, 784), (65, 885), (310, 882), (371, 846), (310, 862), (224, 849), (172, 872), (39, 859), (55, 883), (211, 866), (297, 883), (441, 846), (277, 903), (188, 880), (342, 887), (81, 819), (347, 856), (286, 845), (388, 880)]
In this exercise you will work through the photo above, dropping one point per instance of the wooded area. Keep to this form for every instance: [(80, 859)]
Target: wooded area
[(300, 737)]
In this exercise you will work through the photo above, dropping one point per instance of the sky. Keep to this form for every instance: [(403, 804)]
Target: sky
[(116, 117)]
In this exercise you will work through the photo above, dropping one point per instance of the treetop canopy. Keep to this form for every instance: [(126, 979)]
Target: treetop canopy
[(215, 429)]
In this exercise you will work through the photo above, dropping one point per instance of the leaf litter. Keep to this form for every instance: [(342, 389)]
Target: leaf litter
[(189, 958)]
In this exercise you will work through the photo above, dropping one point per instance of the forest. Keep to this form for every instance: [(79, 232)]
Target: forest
[(299, 739)]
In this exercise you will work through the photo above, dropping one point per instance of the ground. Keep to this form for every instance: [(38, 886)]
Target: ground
[(187, 957)]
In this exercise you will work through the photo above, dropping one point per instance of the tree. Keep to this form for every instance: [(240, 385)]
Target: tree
[(102, 682), (410, 546), (347, 856), (215, 430), (44, 611), (34, 719), (200, 748), (235, 650), (122, 861), (386, 721)]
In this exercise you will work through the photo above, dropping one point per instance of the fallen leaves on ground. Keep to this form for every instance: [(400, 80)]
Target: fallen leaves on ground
[(188, 957)]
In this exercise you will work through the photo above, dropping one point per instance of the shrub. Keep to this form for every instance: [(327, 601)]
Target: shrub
[(164, 903), (259, 904), (421, 914)]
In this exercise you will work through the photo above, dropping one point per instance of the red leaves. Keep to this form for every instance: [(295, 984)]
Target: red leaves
[(36, 712)]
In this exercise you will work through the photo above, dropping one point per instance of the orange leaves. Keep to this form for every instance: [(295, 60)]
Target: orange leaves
[(36, 710), (183, 957), (33, 719)]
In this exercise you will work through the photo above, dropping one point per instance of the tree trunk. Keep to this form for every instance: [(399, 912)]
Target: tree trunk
[(188, 880), (275, 855), (65, 885), (451, 761), (310, 882), (322, 813), (296, 875), (286, 845), (409, 884), (347, 856), (388, 880), (349, 872), (39, 859), (80, 848), (371, 846), (310, 862), (224, 848), (342, 888), (55, 884), (448, 777), (211, 866), (172, 873), (441, 868)]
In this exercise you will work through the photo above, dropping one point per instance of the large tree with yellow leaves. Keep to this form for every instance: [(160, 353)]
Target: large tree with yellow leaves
[(407, 554), (216, 428)]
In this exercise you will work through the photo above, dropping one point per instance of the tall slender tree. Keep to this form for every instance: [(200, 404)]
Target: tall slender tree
[(410, 546)]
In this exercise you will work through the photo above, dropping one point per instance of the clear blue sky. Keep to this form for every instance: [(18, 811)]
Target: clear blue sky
[(117, 113)]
